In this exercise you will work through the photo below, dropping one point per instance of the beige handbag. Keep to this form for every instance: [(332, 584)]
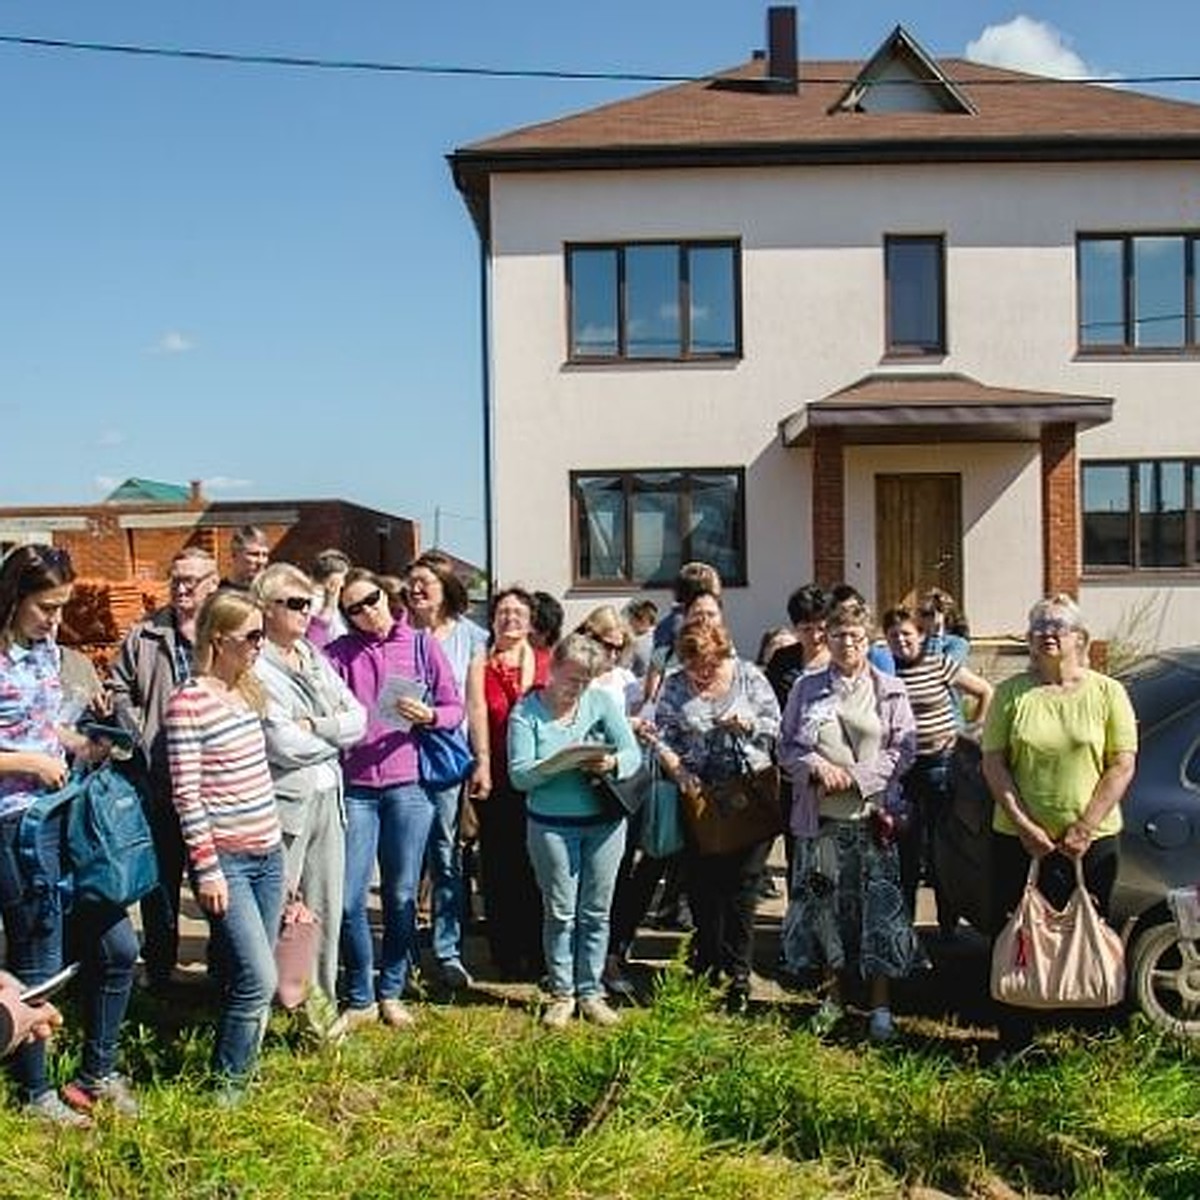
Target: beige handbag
[(1044, 958)]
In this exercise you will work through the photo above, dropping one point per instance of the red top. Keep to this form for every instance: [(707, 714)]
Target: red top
[(501, 691)]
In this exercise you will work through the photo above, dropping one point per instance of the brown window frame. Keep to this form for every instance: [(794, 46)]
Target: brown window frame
[(1127, 347), (1191, 525), (625, 581), (683, 245), (892, 348)]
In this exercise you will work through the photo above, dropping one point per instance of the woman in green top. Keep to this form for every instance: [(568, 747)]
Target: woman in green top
[(1058, 756)]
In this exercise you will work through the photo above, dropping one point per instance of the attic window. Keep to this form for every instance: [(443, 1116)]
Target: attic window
[(901, 78)]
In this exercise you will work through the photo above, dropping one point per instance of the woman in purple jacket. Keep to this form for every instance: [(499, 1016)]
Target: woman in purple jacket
[(388, 812)]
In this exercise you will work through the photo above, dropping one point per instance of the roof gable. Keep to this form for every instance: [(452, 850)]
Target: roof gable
[(901, 77), (148, 491)]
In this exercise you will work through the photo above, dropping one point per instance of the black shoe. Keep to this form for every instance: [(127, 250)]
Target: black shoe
[(737, 999)]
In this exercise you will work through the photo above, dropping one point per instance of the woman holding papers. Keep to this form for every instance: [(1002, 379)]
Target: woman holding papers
[(560, 739), (388, 812)]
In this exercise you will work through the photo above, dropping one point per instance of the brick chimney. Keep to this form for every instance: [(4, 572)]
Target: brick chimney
[(781, 48), (195, 493)]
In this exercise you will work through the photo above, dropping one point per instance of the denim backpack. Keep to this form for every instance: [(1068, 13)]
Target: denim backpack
[(109, 851)]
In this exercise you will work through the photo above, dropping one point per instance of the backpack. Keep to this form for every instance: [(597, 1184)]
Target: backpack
[(109, 850)]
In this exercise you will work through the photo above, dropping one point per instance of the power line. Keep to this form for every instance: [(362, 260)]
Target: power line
[(318, 63)]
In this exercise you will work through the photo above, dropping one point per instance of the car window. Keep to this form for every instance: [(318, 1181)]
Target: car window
[(1160, 689), (1191, 766)]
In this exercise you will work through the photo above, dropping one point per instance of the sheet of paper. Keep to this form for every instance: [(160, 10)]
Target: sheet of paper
[(572, 758), (397, 687)]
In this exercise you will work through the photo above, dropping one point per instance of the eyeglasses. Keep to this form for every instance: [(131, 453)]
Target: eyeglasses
[(188, 583), (1051, 625), (605, 644), (368, 601), (252, 637), (294, 603)]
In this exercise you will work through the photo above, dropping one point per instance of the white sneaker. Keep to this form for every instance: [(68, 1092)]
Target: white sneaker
[(353, 1018), (49, 1108), (597, 1010), (559, 1012), (881, 1027), (396, 1014)]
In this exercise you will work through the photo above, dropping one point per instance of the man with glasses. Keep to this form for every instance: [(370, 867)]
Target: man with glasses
[(155, 657)]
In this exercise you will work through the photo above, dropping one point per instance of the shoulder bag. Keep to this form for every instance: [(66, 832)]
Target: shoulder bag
[(444, 759), (736, 811), (1047, 958)]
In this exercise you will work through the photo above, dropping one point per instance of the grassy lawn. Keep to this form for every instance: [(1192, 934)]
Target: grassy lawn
[(679, 1101)]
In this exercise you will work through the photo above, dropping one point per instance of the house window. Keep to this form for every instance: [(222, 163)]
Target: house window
[(654, 300), (1140, 515), (915, 294), (637, 528), (1137, 292)]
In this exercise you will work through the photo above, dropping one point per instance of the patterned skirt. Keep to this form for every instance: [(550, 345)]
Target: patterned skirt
[(847, 907)]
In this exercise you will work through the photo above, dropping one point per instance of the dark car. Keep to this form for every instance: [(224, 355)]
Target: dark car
[(1160, 844)]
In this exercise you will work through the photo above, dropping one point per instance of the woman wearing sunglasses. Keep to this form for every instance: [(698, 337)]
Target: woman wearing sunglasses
[(311, 717), (223, 792), (388, 812)]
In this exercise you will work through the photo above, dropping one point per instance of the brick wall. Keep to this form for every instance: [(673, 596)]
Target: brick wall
[(828, 508), (1060, 510)]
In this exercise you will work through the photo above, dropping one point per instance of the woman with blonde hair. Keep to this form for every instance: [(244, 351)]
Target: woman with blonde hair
[(225, 798), (607, 629), (311, 716)]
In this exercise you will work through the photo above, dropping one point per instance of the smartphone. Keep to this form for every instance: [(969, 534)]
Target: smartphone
[(40, 992)]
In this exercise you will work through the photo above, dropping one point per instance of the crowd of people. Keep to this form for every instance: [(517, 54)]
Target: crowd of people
[(299, 735)]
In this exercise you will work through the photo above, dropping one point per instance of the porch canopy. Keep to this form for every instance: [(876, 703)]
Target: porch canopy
[(919, 408)]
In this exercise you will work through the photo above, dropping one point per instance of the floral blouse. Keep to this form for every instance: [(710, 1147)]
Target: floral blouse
[(690, 724), (30, 698)]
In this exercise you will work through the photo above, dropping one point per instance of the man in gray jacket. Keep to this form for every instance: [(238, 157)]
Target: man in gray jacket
[(155, 657)]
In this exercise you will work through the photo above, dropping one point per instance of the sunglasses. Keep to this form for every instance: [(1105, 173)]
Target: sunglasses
[(611, 647), (255, 637), (368, 601), (188, 583), (1051, 625), (294, 603)]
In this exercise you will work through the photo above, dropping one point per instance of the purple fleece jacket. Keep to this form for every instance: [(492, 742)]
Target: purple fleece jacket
[(385, 756)]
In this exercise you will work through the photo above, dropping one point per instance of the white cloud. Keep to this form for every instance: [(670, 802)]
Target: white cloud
[(173, 342), (223, 483), (110, 437), (1024, 44)]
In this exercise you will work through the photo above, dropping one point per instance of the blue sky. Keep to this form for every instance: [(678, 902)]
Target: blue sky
[(264, 278)]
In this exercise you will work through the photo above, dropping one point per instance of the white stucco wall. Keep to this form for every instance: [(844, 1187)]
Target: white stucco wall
[(812, 302)]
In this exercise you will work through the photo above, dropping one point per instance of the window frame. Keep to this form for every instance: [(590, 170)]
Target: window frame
[(627, 475), (1127, 347), (908, 350), (1191, 519), (686, 354)]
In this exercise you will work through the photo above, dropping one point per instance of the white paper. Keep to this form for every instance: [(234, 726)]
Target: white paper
[(572, 758), (395, 688)]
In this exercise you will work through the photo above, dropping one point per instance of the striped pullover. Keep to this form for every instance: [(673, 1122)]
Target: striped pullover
[(220, 781), (928, 680)]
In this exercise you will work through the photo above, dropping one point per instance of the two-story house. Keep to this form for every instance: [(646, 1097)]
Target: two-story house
[(901, 322)]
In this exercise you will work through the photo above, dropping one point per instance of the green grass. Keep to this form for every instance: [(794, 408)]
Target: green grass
[(679, 1101)]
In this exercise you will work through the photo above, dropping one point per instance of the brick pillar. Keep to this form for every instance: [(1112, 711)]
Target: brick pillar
[(1060, 510), (828, 507)]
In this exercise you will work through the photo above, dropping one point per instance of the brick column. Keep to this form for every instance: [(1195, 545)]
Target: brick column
[(1060, 510), (828, 507)]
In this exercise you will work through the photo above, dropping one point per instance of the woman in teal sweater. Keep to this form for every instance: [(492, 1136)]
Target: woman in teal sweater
[(575, 840)]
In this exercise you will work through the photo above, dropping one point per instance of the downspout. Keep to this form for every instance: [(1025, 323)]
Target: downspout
[(485, 338)]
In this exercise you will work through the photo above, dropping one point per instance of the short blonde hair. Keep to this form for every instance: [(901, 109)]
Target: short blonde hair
[(606, 624), (849, 613), (580, 649), (272, 580), (1060, 604)]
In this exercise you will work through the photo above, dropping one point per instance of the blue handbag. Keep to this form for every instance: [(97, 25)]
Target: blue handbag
[(662, 826), (444, 759)]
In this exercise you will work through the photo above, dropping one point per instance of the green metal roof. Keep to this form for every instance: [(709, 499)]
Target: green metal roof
[(148, 491)]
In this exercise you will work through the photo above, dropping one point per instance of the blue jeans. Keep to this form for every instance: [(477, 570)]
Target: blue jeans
[(244, 943), (394, 823), (444, 861), (99, 935), (576, 868)]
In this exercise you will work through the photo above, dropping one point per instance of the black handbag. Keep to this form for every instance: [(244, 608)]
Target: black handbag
[(624, 797)]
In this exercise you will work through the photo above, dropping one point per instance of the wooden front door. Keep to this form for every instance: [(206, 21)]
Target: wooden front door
[(918, 536)]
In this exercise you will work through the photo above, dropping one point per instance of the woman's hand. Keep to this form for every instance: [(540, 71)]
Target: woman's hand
[(832, 778), (31, 1022), (737, 724), (415, 711), (605, 765), (49, 771), (213, 896), (644, 731), (1077, 839), (1036, 841), (480, 785)]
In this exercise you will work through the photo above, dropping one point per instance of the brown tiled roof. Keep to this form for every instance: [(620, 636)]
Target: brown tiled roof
[(939, 407), (1010, 107)]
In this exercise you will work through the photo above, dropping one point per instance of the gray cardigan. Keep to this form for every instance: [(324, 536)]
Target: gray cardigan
[(297, 756)]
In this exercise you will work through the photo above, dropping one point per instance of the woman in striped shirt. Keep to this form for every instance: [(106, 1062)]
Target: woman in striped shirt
[(931, 678), (226, 802)]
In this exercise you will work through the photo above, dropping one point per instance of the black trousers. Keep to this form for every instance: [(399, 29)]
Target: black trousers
[(511, 900), (724, 890)]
